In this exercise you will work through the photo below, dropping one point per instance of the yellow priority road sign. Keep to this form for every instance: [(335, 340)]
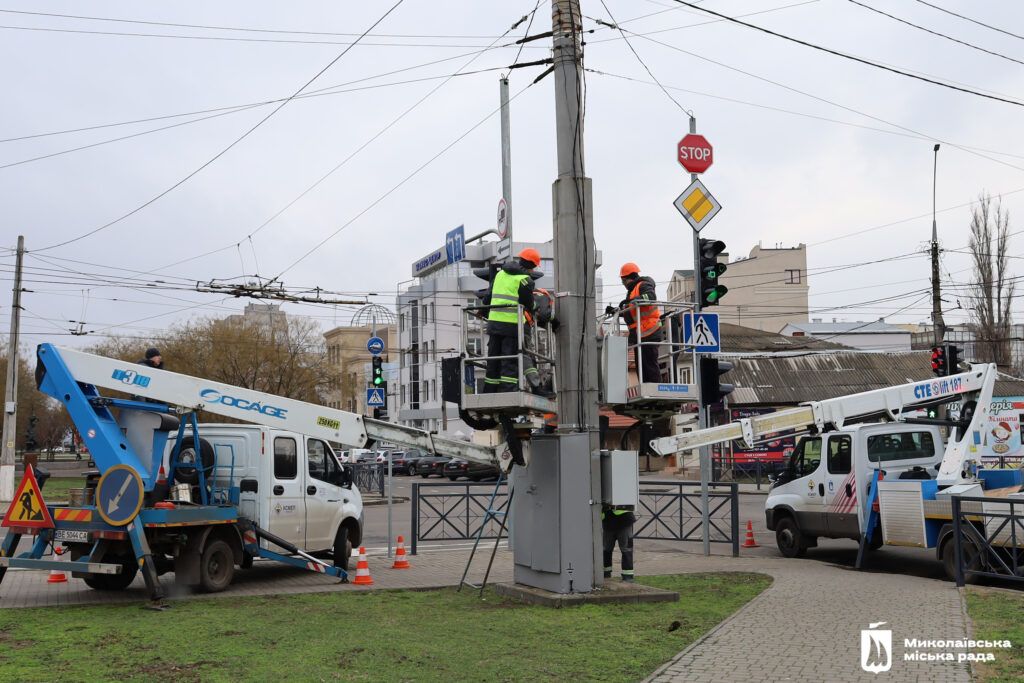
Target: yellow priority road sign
[(28, 508), (697, 205)]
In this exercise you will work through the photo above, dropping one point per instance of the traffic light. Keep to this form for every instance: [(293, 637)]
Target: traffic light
[(377, 378), (933, 413), (939, 366), (712, 389), (952, 359), (710, 270), (487, 274)]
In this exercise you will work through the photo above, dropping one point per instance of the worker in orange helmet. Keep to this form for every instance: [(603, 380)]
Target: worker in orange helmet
[(643, 320), (512, 286)]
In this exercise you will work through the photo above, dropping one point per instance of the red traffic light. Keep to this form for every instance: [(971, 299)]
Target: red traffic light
[(939, 366)]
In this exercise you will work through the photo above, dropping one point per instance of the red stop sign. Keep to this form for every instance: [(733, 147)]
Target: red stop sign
[(695, 153)]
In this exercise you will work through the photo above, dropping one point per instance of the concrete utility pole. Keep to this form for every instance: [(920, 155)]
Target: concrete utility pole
[(940, 326), (11, 394), (558, 502)]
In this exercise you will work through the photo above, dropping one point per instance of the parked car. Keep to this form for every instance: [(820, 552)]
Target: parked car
[(413, 456), (473, 471), (362, 455), (400, 463), (432, 464)]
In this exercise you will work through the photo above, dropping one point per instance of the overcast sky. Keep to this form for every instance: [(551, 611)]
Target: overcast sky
[(119, 183)]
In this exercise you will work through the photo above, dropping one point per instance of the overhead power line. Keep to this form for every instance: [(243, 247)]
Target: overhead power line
[(230, 146), (234, 28), (860, 60), (973, 21), (935, 33)]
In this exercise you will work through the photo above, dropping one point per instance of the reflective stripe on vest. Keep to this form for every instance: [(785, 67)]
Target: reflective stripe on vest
[(505, 289), (650, 316)]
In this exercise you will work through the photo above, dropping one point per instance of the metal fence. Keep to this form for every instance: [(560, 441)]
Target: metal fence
[(756, 472), (671, 511), (456, 513), (369, 476), (988, 540), (668, 511)]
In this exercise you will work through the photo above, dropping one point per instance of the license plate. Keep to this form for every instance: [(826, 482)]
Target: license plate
[(71, 535)]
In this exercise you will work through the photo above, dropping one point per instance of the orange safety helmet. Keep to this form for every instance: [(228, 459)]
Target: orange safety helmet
[(629, 269), (530, 254)]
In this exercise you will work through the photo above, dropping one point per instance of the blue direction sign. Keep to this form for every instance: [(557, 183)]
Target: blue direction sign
[(119, 495), (702, 331), (455, 245), (375, 345), (375, 398)]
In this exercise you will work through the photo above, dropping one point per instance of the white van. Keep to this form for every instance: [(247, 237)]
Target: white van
[(290, 485)]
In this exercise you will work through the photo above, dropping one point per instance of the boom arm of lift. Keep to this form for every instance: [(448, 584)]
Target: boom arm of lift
[(60, 369), (890, 402)]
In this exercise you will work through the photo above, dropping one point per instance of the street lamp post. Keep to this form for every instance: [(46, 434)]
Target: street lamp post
[(940, 327)]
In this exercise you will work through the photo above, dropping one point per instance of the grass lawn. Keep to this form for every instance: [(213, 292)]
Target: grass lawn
[(373, 636), (997, 616), (55, 490)]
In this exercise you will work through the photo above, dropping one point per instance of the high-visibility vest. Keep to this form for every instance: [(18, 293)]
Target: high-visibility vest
[(650, 316), (505, 297)]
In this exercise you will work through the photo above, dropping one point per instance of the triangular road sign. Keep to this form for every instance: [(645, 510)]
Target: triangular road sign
[(28, 507)]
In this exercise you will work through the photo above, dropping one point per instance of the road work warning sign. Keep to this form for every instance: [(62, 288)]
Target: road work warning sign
[(28, 508)]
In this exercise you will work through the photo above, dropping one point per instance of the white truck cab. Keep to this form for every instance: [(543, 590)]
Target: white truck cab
[(823, 490), (290, 484)]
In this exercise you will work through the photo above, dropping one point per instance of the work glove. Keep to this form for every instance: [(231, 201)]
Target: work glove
[(555, 325), (610, 310)]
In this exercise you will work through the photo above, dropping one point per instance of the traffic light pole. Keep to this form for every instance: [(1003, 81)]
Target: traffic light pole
[(702, 415)]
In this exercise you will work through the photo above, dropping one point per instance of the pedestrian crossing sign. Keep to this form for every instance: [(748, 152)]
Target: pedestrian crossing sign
[(701, 330), (375, 398), (28, 508)]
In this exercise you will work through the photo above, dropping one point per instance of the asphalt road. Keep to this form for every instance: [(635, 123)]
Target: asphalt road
[(919, 562)]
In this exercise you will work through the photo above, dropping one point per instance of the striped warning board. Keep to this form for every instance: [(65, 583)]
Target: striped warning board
[(28, 509), (72, 515)]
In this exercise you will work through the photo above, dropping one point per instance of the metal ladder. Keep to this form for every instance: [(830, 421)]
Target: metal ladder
[(491, 513)]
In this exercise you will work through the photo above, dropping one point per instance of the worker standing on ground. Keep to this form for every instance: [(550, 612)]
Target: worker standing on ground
[(512, 287), (617, 527), (639, 289), (543, 315)]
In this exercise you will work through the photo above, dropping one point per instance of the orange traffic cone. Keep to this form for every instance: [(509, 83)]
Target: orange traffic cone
[(57, 576), (750, 542), (362, 570), (400, 561), (161, 477)]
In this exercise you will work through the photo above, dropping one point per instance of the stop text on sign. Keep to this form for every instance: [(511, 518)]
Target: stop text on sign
[(695, 153)]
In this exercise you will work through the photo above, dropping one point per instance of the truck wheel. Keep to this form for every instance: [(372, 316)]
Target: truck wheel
[(216, 567), (185, 472), (342, 548), (114, 582), (949, 561), (789, 539)]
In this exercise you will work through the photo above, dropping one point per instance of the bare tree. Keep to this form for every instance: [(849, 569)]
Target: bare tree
[(992, 288), (283, 359)]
